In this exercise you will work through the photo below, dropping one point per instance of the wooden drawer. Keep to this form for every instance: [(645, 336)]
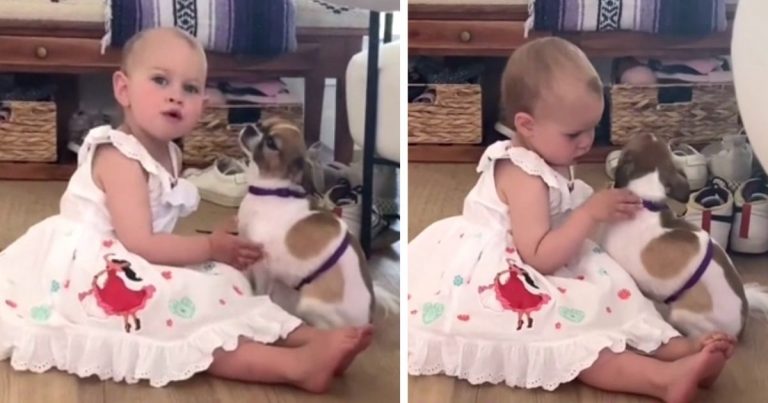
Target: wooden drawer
[(465, 38), (30, 54)]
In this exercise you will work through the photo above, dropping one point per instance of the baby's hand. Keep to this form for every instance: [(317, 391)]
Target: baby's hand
[(233, 250), (612, 205)]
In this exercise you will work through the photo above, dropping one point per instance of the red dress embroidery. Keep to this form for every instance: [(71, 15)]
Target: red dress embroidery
[(115, 298), (513, 294)]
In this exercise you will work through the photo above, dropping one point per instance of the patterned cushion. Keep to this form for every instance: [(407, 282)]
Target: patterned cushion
[(309, 13), (325, 14), (470, 2)]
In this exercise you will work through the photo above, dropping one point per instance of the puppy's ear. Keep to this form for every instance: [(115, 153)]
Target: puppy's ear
[(249, 138), (677, 186), (307, 179), (300, 173), (624, 170)]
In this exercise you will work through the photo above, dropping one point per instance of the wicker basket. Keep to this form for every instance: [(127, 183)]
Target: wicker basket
[(454, 117), (708, 112), (216, 136), (27, 131)]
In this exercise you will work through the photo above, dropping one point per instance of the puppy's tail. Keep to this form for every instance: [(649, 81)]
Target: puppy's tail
[(386, 299), (757, 298)]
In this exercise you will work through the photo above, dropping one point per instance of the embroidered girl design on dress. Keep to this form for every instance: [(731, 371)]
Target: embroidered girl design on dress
[(514, 290), (121, 293)]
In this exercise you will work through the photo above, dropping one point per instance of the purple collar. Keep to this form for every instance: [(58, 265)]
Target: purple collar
[(655, 206), (695, 277), (286, 193), (327, 264)]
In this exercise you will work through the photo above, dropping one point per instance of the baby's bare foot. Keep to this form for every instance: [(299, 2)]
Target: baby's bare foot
[(325, 355), (366, 336), (724, 347), (687, 373)]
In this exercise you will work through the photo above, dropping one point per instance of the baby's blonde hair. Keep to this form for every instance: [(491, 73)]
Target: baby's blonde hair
[(539, 66), (130, 47)]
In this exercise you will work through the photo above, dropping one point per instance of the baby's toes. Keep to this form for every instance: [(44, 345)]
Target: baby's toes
[(720, 346), (713, 338)]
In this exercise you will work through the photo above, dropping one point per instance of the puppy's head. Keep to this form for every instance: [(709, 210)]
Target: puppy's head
[(276, 146), (648, 168)]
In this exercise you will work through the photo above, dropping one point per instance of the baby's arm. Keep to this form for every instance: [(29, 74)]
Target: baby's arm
[(527, 197), (124, 183), (542, 247)]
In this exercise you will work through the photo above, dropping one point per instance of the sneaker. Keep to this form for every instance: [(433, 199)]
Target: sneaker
[(711, 209), (611, 162), (750, 223), (223, 183), (693, 164), (730, 159), (345, 201)]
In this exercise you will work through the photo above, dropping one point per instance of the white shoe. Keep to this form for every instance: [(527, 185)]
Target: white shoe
[(730, 159), (693, 164), (750, 223), (611, 162), (711, 209), (222, 183)]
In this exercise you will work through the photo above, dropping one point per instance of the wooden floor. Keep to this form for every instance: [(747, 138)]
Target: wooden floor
[(373, 378), (437, 191)]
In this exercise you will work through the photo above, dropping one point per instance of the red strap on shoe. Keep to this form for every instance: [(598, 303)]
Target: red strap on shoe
[(706, 220), (746, 217)]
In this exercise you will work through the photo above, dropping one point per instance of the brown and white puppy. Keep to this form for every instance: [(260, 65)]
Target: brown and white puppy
[(671, 260), (313, 267)]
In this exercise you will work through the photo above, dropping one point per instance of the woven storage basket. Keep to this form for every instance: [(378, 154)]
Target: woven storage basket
[(216, 136), (455, 116), (27, 131), (708, 113)]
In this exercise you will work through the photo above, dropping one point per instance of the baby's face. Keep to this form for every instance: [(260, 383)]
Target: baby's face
[(165, 88), (565, 121)]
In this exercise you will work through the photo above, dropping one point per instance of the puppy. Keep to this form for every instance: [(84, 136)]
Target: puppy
[(671, 260), (314, 268)]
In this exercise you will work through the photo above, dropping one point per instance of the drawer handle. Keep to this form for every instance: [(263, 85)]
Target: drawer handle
[(465, 36), (41, 52)]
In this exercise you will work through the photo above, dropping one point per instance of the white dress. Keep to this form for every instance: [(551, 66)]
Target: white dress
[(477, 312), (73, 298)]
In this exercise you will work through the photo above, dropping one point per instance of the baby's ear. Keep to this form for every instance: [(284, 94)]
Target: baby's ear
[(120, 88), (523, 123)]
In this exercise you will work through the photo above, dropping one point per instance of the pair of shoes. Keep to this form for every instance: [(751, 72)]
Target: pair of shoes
[(223, 183), (686, 158), (738, 218), (730, 159), (345, 201)]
